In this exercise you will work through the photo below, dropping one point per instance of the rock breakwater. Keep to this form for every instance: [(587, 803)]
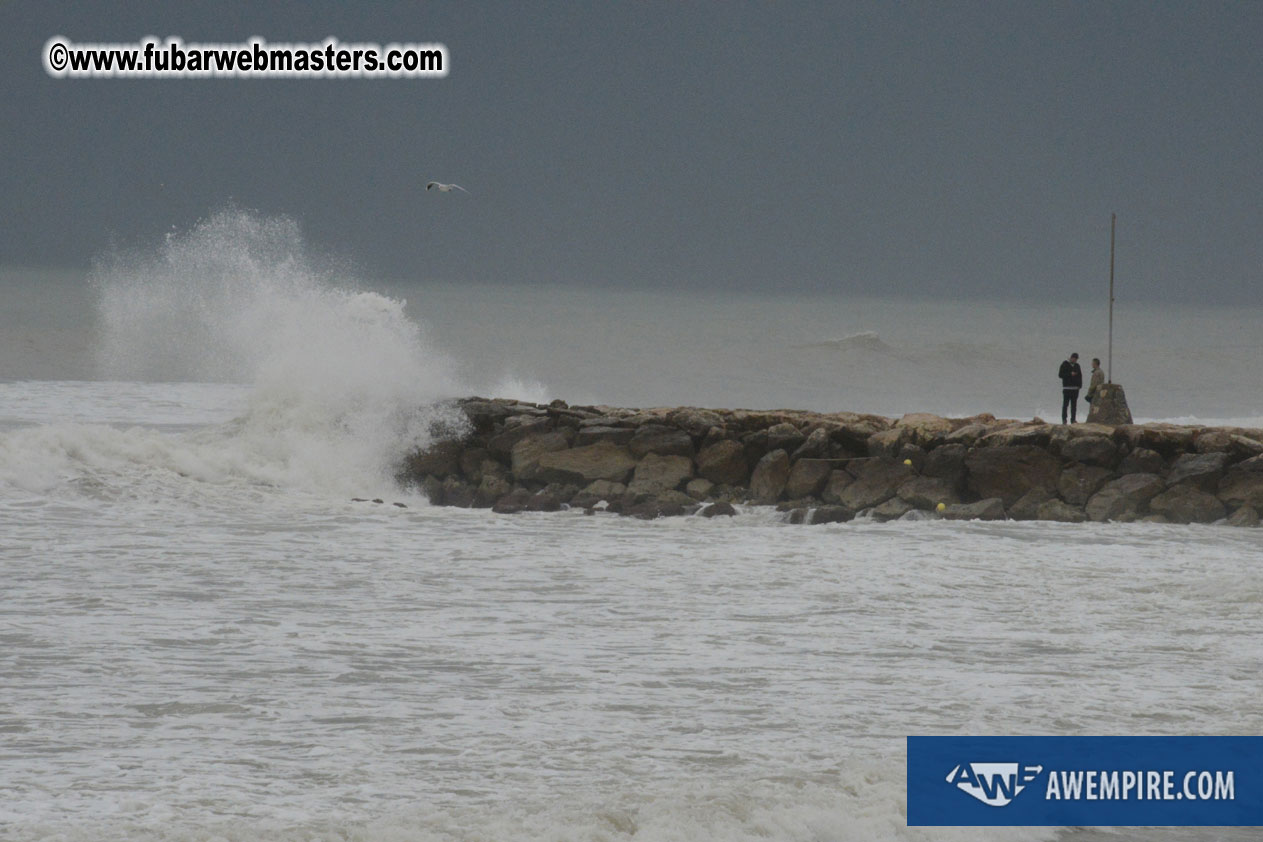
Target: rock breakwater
[(512, 456)]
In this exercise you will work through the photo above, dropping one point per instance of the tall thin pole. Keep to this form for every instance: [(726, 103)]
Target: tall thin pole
[(1109, 369)]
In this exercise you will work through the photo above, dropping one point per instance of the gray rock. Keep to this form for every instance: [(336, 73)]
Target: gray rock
[(924, 429), (457, 492), (661, 440), (797, 515), (656, 473), (1097, 451), (1237, 446), (886, 443), (582, 465), (1244, 516), (807, 478), (991, 508), (542, 501), (927, 492), (1202, 471), (1078, 483), (1187, 504), (720, 509), (1109, 406), (723, 462), (769, 477), (525, 456), (1060, 511), (967, 436), (1027, 506), (1009, 471), (1126, 496)]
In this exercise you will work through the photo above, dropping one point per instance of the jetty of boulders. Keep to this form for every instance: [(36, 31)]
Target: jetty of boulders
[(514, 456)]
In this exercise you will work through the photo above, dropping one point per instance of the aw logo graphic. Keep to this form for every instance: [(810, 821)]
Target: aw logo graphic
[(994, 784)]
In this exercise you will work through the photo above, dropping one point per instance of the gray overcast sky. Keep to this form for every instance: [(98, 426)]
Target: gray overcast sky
[(911, 148)]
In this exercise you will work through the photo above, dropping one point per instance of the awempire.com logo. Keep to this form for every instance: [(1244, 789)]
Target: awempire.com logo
[(1102, 781)]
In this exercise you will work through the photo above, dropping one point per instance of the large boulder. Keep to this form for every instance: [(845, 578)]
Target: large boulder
[(784, 437), (662, 440), (1187, 504), (515, 429), (807, 478), (1202, 471), (769, 477), (831, 514), (947, 462), (723, 462), (837, 482), (816, 446), (923, 429), (1142, 460), (1244, 516), (1243, 485), (694, 421), (1236, 445), (1019, 435), (886, 443), (876, 482), (892, 509), (656, 474), (1167, 439), (1078, 483), (1027, 506), (582, 465), (927, 492), (1091, 450), (525, 456), (1009, 471), (1125, 497), (596, 491)]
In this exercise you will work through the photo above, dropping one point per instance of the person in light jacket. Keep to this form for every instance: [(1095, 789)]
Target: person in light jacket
[(1097, 381)]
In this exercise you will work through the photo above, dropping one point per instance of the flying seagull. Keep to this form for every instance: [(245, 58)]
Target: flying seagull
[(445, 188)]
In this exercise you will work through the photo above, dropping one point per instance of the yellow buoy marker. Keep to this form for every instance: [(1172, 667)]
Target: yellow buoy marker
[(907, 461), (941, 506)]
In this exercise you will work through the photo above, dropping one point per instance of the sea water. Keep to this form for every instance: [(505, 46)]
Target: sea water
[(203, 637)]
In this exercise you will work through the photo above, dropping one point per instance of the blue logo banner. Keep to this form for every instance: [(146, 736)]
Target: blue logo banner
[(1101, 781)]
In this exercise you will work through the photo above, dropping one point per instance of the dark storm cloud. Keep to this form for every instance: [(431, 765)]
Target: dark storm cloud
[(904, 148)]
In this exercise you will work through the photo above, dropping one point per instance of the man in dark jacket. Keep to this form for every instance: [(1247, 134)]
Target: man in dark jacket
[(1071, 382)]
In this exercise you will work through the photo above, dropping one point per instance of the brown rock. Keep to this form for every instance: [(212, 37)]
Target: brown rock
[(694, 421), (990, 509), (1236, 445), (1126, 496), (807, 478), (1202, 471), (598, 433), (832, 514), (892, 509), (1027, 506), (838, 480), (1060, 511), (1023, 435), (698, 488), (1099, 451), (490, 489), (876, 482), (1244, 516), (512, 503), (598, 490), (1078, 483), (524, 459), (440, 459), (723, 462), (769, 477), (968, 435), (1187, 504), (924, 430), (927, 492), (815, 447), (582, 465), (720, 509), (1167, 439), (656, 474), (1008, 472), (1142, 461), (662, 440), (784, 437), (886, 443), (1242, 488), (515, 429)]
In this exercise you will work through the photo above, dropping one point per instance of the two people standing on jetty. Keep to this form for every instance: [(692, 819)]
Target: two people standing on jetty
[(1072, 381)]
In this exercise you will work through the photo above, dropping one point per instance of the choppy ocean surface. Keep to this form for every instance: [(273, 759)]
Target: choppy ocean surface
[(203, 638)]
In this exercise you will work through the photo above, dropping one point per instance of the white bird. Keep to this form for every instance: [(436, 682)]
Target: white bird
[(445, 188)]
